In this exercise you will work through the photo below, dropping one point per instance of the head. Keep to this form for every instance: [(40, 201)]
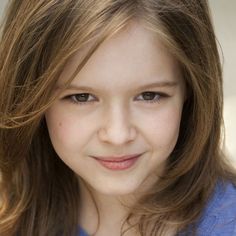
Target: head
[(58, 45), (132, 95)]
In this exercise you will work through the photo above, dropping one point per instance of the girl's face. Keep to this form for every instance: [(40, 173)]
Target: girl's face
[(127, 100)]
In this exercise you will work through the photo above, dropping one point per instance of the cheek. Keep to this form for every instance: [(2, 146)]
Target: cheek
[(66, 132), (163, 128)]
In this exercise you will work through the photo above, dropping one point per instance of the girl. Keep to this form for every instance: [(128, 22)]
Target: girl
[(111, 115)]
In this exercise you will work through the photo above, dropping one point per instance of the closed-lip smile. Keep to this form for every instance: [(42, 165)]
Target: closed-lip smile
[(118, 163), (117, 158)]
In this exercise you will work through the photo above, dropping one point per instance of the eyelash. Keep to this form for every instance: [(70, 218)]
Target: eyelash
[(160, 95)]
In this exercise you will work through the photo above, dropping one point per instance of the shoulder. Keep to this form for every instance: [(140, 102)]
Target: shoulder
[(219, 216), (81, 232)]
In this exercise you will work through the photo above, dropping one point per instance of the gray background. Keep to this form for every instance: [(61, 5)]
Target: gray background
[(224, 18)]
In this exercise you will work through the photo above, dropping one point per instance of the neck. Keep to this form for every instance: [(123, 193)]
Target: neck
[(105, 211)]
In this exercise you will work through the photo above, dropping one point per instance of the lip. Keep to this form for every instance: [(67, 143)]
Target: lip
[(117, 158), (118, 163)]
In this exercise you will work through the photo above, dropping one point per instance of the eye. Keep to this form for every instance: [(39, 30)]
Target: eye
[(151, 96), (81, 98)]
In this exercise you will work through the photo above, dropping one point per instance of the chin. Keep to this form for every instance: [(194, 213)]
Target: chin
[(117, 190)]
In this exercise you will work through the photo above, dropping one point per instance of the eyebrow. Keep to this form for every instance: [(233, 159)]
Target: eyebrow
[(142, 87), (159, 84)]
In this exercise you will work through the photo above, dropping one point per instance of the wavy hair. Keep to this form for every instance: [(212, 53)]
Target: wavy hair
[(37, 190)]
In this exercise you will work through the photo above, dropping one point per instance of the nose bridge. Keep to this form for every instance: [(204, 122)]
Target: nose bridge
[(117, 127)]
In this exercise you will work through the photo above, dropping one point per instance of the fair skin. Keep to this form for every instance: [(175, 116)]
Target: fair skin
[(118, 119)]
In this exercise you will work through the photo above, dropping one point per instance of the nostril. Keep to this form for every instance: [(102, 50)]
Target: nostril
[(118, 135)]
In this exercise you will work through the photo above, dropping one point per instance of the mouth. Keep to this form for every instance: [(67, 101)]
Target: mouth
[(118, 163), (117, 158)]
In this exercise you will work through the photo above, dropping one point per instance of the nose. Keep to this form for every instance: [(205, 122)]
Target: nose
[(117, 128)]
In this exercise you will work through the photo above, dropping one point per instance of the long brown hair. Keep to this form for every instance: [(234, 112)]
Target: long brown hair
[(38, 192)]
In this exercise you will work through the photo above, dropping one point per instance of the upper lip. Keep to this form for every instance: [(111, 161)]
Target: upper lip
[(117, 158)]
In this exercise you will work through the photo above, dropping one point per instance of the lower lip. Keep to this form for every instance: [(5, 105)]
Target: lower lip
[(118, 165)]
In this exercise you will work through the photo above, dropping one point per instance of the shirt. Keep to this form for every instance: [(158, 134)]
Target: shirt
[(218, 217)]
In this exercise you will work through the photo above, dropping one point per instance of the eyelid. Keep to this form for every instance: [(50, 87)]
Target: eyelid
[(160, 95), (71, 96)]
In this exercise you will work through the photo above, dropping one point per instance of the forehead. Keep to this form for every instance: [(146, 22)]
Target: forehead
[(133, 54)]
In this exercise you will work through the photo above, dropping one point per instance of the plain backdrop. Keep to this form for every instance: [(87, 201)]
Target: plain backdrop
[(224, 18)]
